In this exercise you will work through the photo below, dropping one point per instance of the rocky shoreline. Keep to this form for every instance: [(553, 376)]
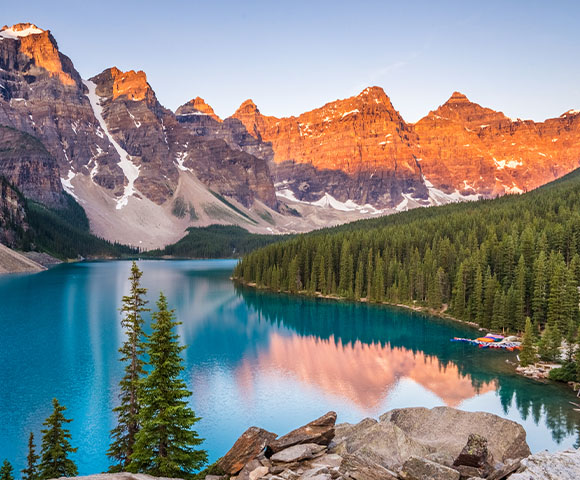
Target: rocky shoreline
[(441, 443), (405, 444)]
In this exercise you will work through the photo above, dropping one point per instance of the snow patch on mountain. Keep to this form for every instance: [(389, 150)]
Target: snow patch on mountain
[(130, 170), (67, 185), (14, 33), (328, 201), (438, 197)]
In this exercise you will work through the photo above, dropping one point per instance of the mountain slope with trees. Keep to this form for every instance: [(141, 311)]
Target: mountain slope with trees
[(493, 262)]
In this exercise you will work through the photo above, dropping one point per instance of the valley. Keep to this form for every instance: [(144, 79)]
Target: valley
[(144, 174)]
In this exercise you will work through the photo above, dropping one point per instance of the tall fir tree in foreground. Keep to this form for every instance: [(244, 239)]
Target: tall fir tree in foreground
[(56, 446), (6, 471), (165, 444), (132, 351), (31, 470)]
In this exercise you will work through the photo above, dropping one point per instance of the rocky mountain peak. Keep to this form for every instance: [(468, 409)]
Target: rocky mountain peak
[(197, 106), (20, 30), (457, 98), (247, 107), (41, 48), (373, 93), (130, 84), (462, 110)]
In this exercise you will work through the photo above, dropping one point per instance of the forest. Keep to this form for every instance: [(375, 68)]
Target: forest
[(216, 241), (492, 262)]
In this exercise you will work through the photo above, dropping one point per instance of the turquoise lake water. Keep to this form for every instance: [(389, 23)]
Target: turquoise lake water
[(253, 358)]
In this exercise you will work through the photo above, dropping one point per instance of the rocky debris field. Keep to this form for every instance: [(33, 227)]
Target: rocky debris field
[(408, 444)]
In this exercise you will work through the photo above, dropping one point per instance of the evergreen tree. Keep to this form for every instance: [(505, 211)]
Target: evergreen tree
[(164, 445), (528, 351), (31, 470), (123, 435), (539, 298), (54, 461), (549, 346), (6, 471), (577, 357)]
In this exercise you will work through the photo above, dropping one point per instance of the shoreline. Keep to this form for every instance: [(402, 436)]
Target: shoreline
[(440, 314), (517, 368)]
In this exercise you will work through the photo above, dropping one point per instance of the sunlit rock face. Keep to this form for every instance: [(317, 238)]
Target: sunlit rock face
[(363, 137), (360, 373), (471, 149), (361, 149), (197, 106)]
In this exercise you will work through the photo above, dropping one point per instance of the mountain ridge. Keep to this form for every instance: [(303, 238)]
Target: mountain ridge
[(131, 162)]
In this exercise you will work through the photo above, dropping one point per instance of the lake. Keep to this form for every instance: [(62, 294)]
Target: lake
[(252, 358)]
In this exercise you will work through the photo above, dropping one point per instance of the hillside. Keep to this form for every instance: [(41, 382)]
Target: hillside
[(492, 262)]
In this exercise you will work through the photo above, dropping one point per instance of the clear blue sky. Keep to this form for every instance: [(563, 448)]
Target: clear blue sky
[(520, 56)]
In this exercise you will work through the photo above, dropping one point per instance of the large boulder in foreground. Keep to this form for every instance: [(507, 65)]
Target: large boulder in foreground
[(445, 429), (247, 447), (422, 432), (319, 431), (550, 466)]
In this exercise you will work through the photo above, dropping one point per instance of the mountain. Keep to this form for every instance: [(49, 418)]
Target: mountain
[(361, 150), (144, 174), (470, 149), (358, 150)]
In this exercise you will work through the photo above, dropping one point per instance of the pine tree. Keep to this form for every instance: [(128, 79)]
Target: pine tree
[(577, 357), (31, 470), (6, 471), (539, 297), (528, 351), (123, 435), (165, 443), (549, 346), (54, 462)]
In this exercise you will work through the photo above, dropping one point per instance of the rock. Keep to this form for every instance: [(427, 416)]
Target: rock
[(563, 465), (248, 446), (359, 468), (441, 458), (252, 471), (316, 473), (296, 453), (448, 428), (470, 472), (475, 453), (319, 431), (331, 460), (504, 471), (381, 443), (417, 468)]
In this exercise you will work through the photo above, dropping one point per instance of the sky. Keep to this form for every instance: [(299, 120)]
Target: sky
[(521, 57)]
